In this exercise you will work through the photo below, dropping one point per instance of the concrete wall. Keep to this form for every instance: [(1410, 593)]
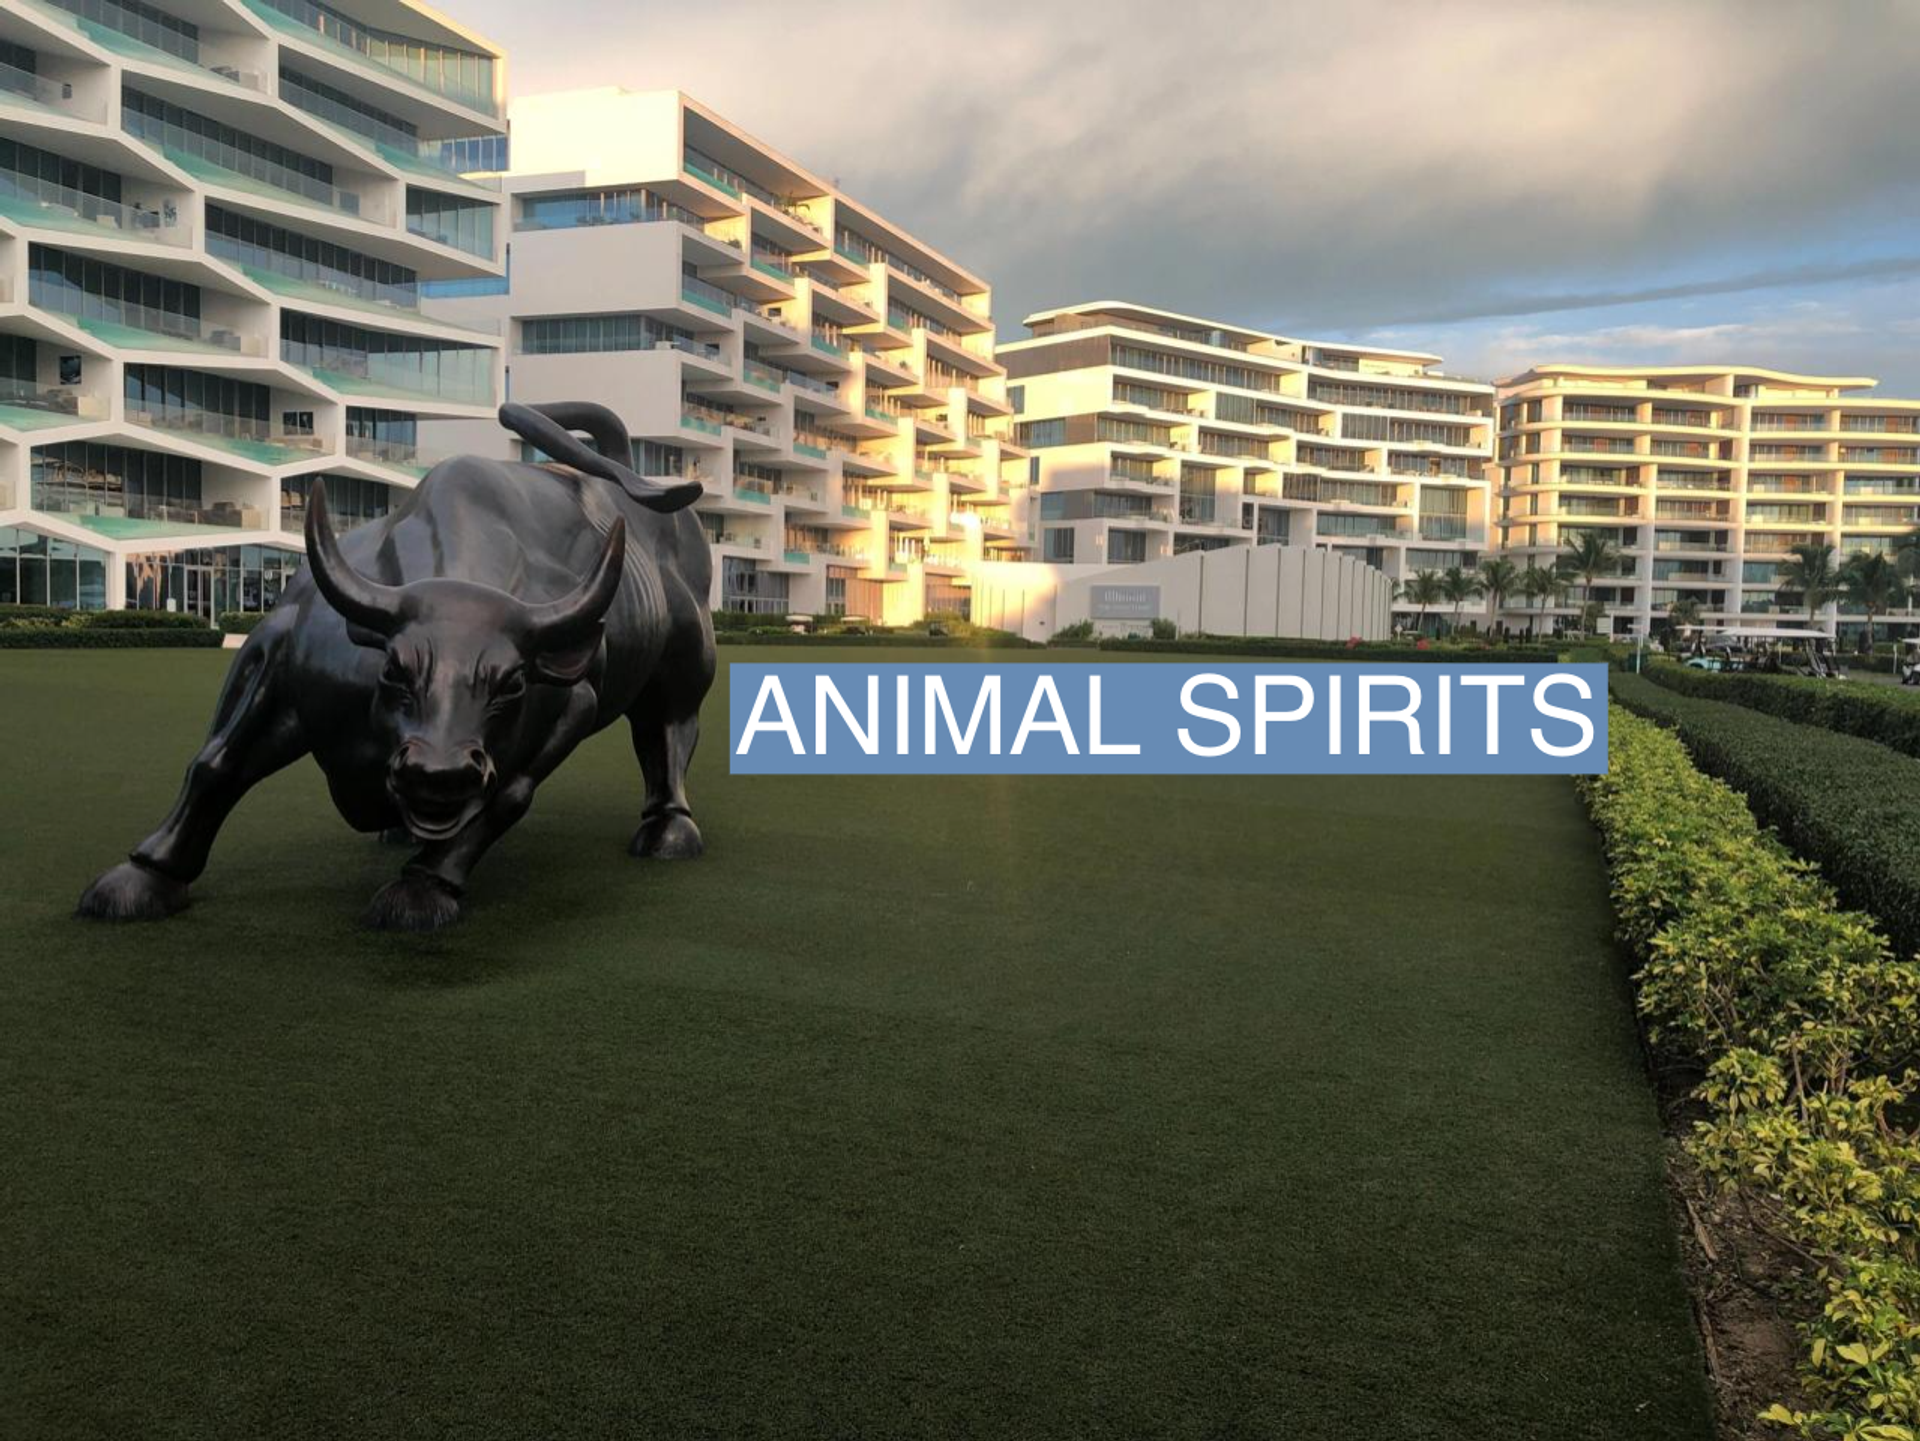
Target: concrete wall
[(1267, 590)]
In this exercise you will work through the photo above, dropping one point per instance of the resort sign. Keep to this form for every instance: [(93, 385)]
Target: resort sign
[(1123, 602)]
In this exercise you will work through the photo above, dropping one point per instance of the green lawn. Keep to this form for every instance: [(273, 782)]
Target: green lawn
[(1297, 1108)]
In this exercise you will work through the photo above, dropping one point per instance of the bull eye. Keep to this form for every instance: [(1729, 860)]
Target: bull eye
[(511, 689), (397, 682)]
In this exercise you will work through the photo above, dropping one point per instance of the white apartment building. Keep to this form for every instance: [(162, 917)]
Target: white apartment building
[(1154, 434), (827, 377), (217, 218), (1703, 479)]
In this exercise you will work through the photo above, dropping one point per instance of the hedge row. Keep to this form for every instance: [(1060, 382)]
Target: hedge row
[(1852, 806), (980, 640), (240, 622), (1800, 1015), (46, 615), (1332, 650), (92, 637), (1883, 713)]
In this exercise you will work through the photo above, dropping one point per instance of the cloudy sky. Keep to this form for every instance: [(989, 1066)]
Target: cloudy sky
[(1503, 181)]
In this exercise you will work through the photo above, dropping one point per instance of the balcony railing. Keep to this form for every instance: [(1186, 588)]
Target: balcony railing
[(54, 95), (706, 294), (207, 159), (25, 395), (401, 454), (35, 202), (59, 498), (409, 152), (424, 66), (232, 430), (162, 325)]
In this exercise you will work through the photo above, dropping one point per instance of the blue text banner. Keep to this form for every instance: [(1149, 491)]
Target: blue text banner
[(1186, 718)]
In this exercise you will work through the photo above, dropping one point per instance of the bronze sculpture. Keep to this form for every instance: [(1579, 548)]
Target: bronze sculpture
[(441, 662)]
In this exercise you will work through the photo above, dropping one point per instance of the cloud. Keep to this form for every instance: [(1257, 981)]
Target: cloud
[(1845, 335), (1308, 166)]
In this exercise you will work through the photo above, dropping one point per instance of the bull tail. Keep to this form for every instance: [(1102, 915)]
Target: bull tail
[(551, 428)]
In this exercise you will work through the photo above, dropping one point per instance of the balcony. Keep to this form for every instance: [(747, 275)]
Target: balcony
[(1443, 527), (431, 159), (255, 440), (446, 74), (114, 27), (32, 201), (234, 169), (19, 86), (26, 406), (126, 517), (706, 295), (141, 327), (394, 454)]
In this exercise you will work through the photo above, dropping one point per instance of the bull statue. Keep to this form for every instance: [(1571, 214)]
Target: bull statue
[(439, 664)]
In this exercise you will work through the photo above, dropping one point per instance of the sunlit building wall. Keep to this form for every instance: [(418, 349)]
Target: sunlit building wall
[(827, 376), (1702, 480), (217, 220), (1156, 434)]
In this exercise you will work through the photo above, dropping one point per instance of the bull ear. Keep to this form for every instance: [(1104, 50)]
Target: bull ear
[(564, 624), (569, 664), (366, 604)]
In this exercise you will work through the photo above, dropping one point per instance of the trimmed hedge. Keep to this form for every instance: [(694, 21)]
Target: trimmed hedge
[(240, 622), (102, 637), (34, 615), (1284, 648), (1883, 713), (1852, 806), (1800, 1016), (139, 620), (981, 640)]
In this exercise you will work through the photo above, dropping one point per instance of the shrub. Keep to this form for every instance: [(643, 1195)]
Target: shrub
[(1164, 629), (1887, 714), (34, 615), (101, 637), (1798, 1011), (1852, 806), (983, 640), (1286, 648), (241, 622), (140, 620), (1079, 630)]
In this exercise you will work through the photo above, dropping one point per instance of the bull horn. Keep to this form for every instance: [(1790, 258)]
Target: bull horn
[(360, 601), (571, 619)]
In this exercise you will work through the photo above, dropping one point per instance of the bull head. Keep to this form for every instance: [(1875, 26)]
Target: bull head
[(460, 658)]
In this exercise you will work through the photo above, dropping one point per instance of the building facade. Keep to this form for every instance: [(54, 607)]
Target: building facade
[(217, 220), (1155, 434), (1703, 479), (828, 378)]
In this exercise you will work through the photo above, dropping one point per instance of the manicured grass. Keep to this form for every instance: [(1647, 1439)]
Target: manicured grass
[(1033, 1107)]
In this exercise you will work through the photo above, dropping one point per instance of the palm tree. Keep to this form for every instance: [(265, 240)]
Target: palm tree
[(1874, 583), (1589, 556), (1684, 612), (1458, 586), (1423, 590), (1498, 577), (1813, 575), (1537, 583)]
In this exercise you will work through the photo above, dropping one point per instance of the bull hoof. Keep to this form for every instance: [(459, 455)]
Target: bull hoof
[(132, 892), (413, 903), (667, 838)]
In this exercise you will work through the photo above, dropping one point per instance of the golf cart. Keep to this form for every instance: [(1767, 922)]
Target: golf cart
[(1770, 650)]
